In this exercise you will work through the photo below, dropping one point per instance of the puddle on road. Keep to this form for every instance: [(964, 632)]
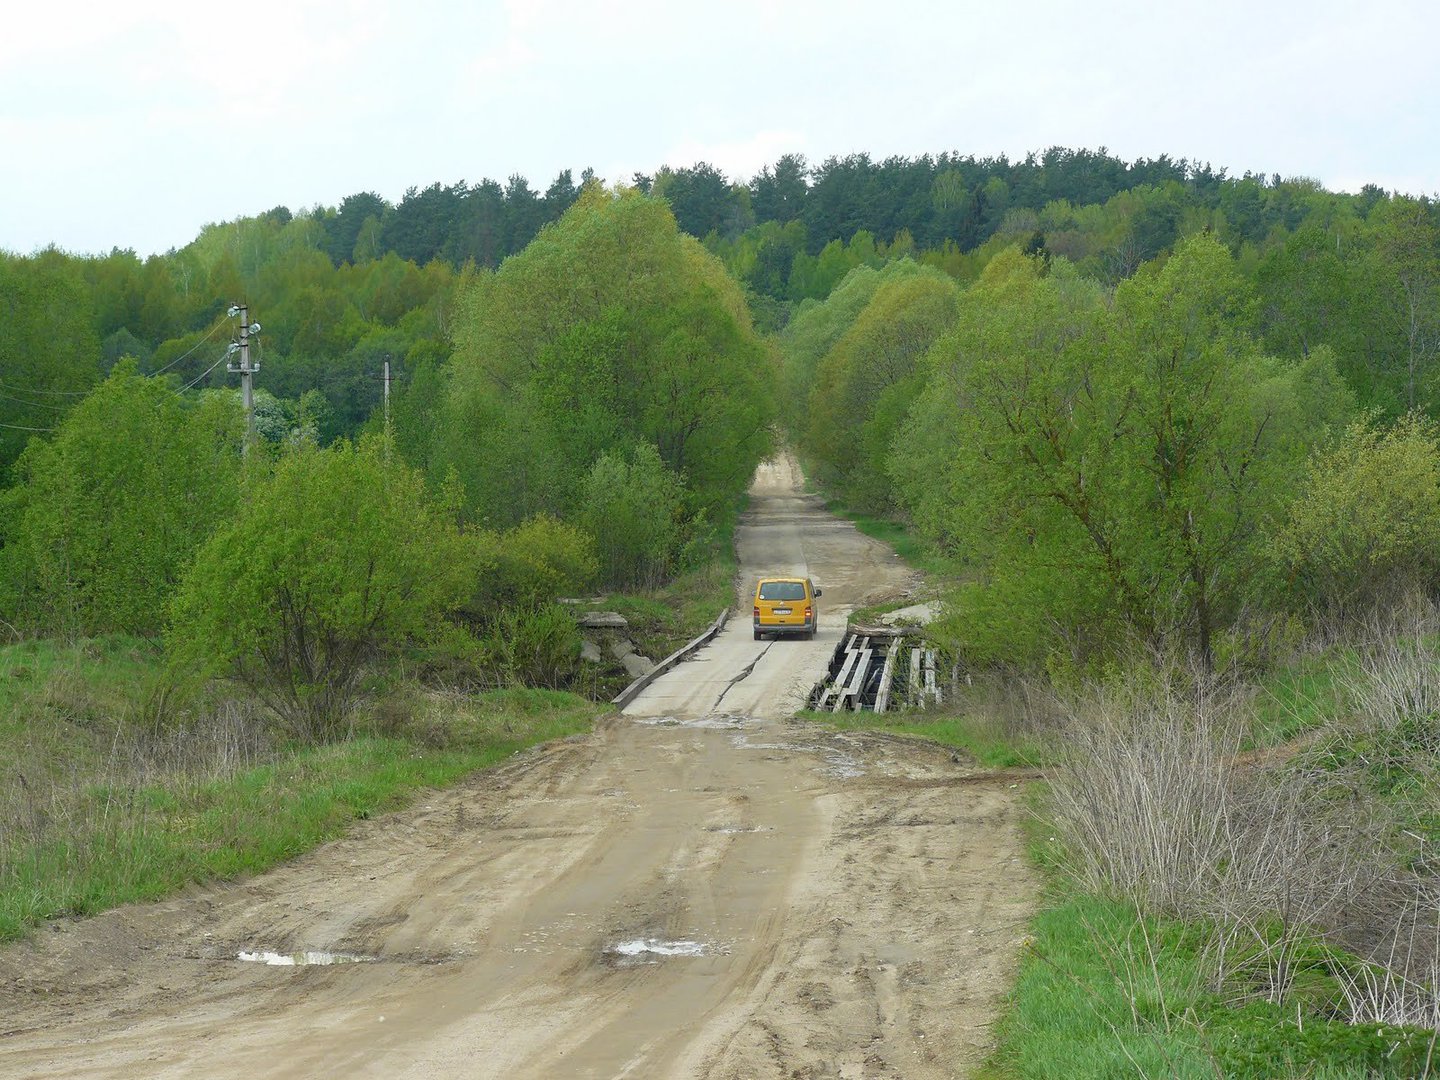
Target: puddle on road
[(651, 951), (731, 829), (307, 958), (719, 721), (838, 763), (742, 741), (844, 766)]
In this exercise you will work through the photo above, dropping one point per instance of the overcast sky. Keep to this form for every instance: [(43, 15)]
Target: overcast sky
[(132, 125)]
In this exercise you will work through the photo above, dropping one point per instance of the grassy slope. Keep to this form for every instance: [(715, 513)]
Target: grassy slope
[(104, 816), (96, 811)]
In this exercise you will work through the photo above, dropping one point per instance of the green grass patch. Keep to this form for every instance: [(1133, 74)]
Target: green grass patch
[(977, 737), (914, 551), (1302, 697), (1104, 993)]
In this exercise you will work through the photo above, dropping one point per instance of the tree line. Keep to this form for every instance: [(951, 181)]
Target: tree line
[(339, 290), (1190, 459), (605, 405), (605, 391)]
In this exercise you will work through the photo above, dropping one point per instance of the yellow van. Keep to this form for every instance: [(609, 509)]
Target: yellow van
[(786, 605)]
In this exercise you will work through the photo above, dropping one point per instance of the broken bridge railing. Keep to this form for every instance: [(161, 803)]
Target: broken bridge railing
[(879, 670)]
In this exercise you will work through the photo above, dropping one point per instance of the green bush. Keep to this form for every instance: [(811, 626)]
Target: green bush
[(1366, 525), (533, 563), (337, 556), (632, 508), (109, 514), (537, 646)]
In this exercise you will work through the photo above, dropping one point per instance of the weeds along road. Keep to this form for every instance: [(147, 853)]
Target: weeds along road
[(701, 888)]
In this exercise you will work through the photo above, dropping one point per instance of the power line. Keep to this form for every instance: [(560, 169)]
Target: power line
[(189, 351), (223, 357), (85, 393), (34, 404), (22, 427), (37, 390)]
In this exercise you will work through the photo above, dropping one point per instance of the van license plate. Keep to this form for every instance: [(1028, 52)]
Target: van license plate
[(782, 611)]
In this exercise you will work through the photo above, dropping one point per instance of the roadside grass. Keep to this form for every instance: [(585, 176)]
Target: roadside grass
[(978, 737), (1222, 943), (1103, 992), (101, 809), (872, 613)]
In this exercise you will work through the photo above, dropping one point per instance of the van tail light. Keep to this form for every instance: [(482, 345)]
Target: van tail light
[(809, 612), (757, 611)]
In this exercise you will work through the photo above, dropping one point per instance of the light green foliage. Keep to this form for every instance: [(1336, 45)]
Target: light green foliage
[(336, 556), (864, 383), (1107, 470), (610, 328), (631, 505), (813, 331), (1365, 525), (961, 462), (537, 561), (415, 405), (1407, 291), (109, 514), (49, 350)]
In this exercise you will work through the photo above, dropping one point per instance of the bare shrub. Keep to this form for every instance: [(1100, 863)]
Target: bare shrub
[(1010, 705), (220, 740), (1393, 735), (1397, 692), (1401, 985), (1154, 807)]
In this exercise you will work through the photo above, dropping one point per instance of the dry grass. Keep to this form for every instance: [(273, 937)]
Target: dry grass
[(112, 790), (1274, 863)]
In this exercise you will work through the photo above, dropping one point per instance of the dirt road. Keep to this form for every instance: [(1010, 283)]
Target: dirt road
[(701, 888)]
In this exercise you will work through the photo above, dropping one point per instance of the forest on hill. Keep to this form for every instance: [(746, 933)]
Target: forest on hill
[(625, 331), (457, 288), (341, 289)]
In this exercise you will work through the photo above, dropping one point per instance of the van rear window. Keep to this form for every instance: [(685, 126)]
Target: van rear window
[(782, 590)]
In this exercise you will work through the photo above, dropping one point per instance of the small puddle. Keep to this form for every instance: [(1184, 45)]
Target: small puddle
[(845, 767), (302, 959), (733, 829), (650, 950), (715, 721)]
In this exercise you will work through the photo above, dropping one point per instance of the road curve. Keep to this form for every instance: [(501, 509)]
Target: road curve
[(701, 888)]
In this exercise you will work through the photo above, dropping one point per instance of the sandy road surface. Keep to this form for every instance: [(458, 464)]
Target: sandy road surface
[(701, 888)]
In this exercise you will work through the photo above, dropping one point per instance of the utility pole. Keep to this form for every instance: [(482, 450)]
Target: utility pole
[(246, 370), (387, 396)]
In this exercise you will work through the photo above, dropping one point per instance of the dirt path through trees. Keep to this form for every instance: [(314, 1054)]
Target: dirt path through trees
[(701, 888)]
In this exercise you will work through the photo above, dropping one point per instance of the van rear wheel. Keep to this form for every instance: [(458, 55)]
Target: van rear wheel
[(758, 636)]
